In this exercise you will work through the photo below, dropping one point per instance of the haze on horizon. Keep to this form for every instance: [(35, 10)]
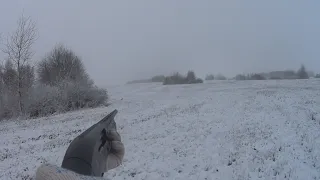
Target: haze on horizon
[(125, 40)]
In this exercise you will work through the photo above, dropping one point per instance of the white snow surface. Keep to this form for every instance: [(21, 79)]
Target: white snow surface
[(216, 130)]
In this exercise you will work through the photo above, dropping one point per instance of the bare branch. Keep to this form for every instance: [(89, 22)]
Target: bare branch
[(18, 48), (19, 43)]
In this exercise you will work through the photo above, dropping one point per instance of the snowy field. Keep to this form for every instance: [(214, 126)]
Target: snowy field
[(217, 130)]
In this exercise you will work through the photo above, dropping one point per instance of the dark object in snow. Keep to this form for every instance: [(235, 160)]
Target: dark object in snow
[(133, 174), (83, 155)]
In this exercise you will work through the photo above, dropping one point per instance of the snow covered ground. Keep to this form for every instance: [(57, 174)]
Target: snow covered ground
[(217, 130)]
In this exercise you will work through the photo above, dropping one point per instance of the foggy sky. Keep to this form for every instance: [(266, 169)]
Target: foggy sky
[(132, 39)]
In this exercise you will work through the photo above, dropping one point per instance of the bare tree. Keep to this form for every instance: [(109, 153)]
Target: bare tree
[(18, 48)]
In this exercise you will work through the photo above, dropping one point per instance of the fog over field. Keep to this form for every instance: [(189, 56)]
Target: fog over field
[(126, 40)]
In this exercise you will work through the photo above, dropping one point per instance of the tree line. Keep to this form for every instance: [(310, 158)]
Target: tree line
[(287, 74), (190, 78), (175, 78), (301, 73)]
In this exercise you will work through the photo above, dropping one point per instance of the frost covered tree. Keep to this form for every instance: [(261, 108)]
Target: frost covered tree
[(61, 64), (62, 74), (18, 50)]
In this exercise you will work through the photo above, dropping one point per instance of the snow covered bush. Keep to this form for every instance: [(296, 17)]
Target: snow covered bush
[(76, 95), (8, 105), (64, 85), (12, 98), (44, 100), (66, 96)]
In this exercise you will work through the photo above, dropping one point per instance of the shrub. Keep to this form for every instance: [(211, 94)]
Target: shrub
[(317, 76), (240, 77), (287, 74), (159, 78), (191, 77), (139, 81), (44, 100), (310, 73), (250, 77), (220, 77), (302, 73), (209, 77), (66, 96), (257, 77), (177, 78), (13, 101), (275, 78), (79, 95), (9, 105), (198, 80)]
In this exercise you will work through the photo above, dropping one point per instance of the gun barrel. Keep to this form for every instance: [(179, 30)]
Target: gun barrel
[(82, 154), (106, 122)]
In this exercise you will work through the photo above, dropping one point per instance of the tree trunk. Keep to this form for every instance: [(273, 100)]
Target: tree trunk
[(19, 88), (20, 98)]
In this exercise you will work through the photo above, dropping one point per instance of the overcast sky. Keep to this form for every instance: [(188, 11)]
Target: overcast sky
[(131, 39)]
